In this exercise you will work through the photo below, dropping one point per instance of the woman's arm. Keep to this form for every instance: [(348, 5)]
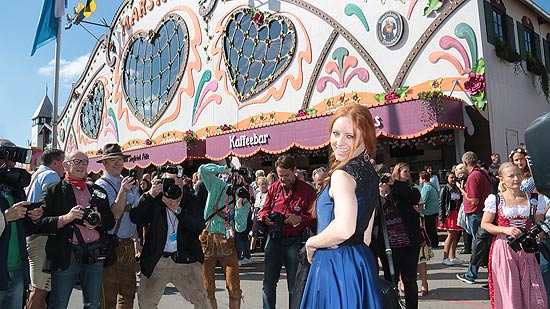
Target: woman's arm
[(342, 190)]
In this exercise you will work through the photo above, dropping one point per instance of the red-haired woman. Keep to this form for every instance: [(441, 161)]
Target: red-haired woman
[(343, 271)]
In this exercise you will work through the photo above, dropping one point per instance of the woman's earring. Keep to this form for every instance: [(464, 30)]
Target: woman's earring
[(366, 156)]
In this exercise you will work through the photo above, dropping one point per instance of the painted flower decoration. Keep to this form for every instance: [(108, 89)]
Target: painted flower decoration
[(398, 93), (258, 18), (149, 142), (304, 112), (75, 95), (475, 83), (392, 95), (225, 127), (189, 136)]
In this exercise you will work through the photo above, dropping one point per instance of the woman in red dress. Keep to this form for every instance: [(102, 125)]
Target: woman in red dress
[(449, 204)]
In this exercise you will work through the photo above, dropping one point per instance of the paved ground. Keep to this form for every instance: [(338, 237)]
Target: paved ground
[(445, 290)]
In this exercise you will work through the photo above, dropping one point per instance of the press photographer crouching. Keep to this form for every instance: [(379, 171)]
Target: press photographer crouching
[(172, 252), (18, 223), (77, 217)]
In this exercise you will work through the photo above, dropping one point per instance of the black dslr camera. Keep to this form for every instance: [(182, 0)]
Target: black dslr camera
[(528, 240), (239, 189), (13, 177), (278, 220), (170, 189), (90, 215)]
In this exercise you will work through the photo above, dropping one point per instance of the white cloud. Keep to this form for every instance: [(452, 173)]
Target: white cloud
[(69, 71)]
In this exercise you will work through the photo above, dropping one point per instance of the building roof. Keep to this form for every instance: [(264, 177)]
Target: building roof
[(45, 109), (544, 17)]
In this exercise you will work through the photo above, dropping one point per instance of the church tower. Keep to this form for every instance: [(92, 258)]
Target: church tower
[(41, 124)]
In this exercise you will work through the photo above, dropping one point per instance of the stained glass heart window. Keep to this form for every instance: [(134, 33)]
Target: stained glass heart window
[(92, 109), (154, 63), (258, 48)]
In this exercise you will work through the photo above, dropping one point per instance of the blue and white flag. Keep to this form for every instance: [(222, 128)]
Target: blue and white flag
[(52, 11)]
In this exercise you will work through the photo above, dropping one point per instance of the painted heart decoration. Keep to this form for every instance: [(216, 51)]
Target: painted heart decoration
[(92, 109), (258, 48), (154, 63)]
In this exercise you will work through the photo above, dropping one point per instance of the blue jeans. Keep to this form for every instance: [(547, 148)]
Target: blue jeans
[(91, 276), (243, 245), (279, 251), (474, 220), (12, 298)]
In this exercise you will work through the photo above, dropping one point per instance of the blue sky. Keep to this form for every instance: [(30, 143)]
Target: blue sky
[(23, 79)]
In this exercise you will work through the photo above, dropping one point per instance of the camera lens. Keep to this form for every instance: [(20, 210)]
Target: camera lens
[(92, 218)]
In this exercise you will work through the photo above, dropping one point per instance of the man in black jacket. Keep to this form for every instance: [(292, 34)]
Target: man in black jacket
[(172, 251), (69, 222)]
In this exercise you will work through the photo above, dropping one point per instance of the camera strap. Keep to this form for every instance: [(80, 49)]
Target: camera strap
[(533, 205), (80, 239), (119, 221), (32, 182), (216, 210)]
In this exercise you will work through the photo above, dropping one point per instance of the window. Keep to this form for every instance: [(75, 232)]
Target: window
[(528, 37), (499, 26), (92, 110), (529, 41)]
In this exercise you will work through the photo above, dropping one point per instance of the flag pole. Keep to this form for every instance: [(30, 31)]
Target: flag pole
[(56, 83)]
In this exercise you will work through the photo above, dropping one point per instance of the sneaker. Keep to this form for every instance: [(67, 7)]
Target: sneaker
[(447, 262), (246, 261), (463, 278), (457, 261), (240, 262), (464, 251), (485, 287)]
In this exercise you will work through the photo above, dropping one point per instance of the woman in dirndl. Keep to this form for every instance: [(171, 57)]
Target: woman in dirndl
[(515, 280), (450, 200)]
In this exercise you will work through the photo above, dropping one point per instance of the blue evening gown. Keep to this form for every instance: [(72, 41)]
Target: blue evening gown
[(346, 277)]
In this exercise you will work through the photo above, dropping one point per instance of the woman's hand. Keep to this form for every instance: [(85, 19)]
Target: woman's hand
[(310, 250), (512, 231)]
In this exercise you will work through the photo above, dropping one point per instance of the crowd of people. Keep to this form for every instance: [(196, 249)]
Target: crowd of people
[(60, 226)]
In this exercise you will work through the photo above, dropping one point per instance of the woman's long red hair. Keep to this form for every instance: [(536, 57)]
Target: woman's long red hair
[(363, 127)]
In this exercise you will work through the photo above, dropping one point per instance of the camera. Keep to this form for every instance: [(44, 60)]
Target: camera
[(385, 178), (171, 169), (16, 178), (90, 215), (33, 206), (170, 189), (528, 240), (247, 172), (133, 174), (15, 154), (238, 190), (278, 220)]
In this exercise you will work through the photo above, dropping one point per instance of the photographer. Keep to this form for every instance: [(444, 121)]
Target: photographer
[(77, 217), (18, 223), (223, 217), (515, 280), (119, 279), (172, 252), (287, 212), (51, 170)]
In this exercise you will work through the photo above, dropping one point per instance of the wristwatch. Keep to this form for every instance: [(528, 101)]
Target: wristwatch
[(178, 211)]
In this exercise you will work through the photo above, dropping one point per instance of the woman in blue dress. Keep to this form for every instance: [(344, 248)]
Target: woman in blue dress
[(343, 271)]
